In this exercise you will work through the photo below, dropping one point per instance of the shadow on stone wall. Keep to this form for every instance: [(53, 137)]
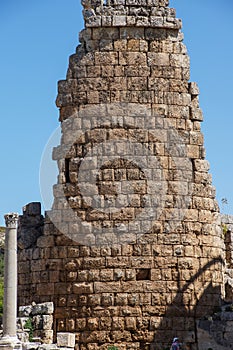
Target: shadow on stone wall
[(181, 317)]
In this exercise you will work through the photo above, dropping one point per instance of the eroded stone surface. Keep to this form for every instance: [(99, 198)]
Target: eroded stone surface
[(146, 269)]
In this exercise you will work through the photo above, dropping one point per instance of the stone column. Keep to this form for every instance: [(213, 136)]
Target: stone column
[(9, 337)]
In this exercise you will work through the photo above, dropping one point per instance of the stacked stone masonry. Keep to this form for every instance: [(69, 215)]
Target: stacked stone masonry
[(35, 322), (136, 276)]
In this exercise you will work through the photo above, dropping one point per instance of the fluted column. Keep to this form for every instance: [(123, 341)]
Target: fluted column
[(10, 281)]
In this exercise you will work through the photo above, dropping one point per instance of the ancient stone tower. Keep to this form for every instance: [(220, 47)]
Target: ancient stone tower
[(132, 252)]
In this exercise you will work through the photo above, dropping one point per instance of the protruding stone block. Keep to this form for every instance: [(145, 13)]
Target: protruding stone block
[(33, 209)]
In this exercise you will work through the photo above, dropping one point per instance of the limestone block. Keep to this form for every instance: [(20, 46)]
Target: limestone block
[(106, 275), (131, 21), (201, 178), (175, 24), (205, 216), (93, 324), (93, 45), (106, 58), (94, 21), (102, 33), (196, 114), (121, 336), (25, 311), (156, 21), (132, 58), (107, 299), (45, 241), (156, 3), (107, 21), (66, 340), (80, 324), (97, 336), (130, 323), (32, 209), (43, 309), (172, 72), (82, 276), (107, 287), (89, 263), (24, 267), (158, 84), (42, 322), (193, 151), (136, 2), (185, 73), (85, 35), (82, 288), (118, 83), (137, 83), (118, 21), (178, 85), (62, 288), (63, 100), (179, 60), (133, 45), (158, 59), (45, 335), (142, 21), (201, 165), (130, 275), (37, 265), (196, 138), (193, 88), (94, 299), (93, 275), (121, 299), (105, 323), (79, 72), (117, 261)]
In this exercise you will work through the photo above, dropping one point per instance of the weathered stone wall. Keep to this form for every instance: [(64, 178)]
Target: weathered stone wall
[(227, 226), (215, 331), (131, 254), (35, 322)]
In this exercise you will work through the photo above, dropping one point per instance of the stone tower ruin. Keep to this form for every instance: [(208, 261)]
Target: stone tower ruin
[(132, 251)]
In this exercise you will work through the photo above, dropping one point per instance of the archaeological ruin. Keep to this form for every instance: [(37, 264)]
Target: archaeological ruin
[(133, 251)]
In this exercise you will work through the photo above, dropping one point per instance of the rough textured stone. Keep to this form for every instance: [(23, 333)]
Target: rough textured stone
[(145, 258), (66, 340), (38, 319)]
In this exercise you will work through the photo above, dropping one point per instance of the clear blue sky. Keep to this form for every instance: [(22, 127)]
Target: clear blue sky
[(36, 39)]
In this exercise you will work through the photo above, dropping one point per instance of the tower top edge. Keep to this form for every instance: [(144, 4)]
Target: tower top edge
[(128, 13)]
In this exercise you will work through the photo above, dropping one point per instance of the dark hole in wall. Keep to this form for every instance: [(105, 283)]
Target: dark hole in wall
[(228, 293), (67, 169), (143, 274)]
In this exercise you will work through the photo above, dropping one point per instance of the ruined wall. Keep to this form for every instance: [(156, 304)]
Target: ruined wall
[(132, 252)]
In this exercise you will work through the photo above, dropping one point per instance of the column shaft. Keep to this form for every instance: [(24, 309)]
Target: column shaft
[(10, 278)]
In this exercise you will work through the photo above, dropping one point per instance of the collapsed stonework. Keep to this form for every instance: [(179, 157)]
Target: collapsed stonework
[(132, 252), (35, 322)]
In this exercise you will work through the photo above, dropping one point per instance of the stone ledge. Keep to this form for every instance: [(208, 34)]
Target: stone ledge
[(132, 21)]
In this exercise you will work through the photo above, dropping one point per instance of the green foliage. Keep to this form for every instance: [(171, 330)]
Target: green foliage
[(112, 348), (1, 265), (29, 325), (224, 229)]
